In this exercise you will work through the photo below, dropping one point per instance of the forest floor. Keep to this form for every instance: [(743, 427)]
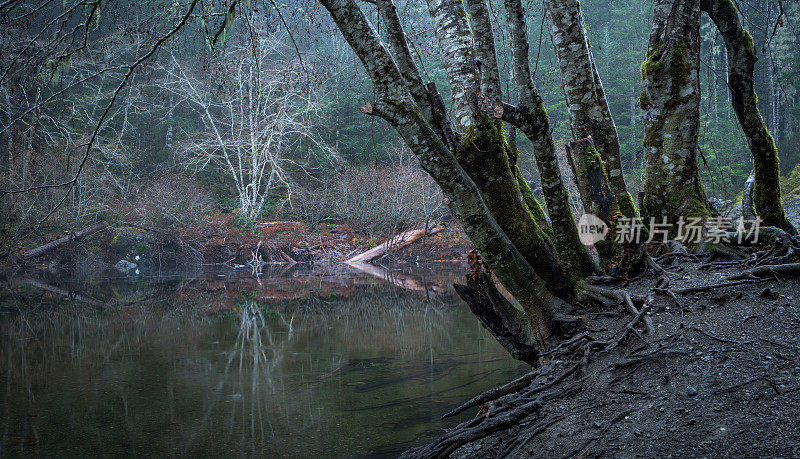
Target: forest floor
[(718, 375)]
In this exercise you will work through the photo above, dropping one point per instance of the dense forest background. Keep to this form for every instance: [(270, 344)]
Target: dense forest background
[(266, 123)]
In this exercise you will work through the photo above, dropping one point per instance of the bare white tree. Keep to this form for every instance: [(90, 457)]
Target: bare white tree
[(257, 125)]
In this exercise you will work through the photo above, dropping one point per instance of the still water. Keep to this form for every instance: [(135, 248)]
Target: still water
[(292, 364)]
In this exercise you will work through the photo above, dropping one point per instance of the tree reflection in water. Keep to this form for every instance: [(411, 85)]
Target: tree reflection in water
[(369, 369)]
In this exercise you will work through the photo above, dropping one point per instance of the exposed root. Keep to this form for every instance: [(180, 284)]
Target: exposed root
[(765, 271), (530, 400)]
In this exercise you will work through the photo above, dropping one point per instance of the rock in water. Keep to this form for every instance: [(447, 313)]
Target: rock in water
[(125, 266)]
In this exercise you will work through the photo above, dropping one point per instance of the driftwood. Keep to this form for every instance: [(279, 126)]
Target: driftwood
[(397, 242), (59, 242)]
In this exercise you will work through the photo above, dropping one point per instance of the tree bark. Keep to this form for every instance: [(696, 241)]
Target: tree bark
[(499, 316), (671, 103), (586, 100), (485, 54), (531, 118), (397, 107), (482, 152), (594, 188), (455, 45), (741, 60)]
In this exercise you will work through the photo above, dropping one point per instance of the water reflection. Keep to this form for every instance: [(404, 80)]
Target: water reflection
[(221, 367)]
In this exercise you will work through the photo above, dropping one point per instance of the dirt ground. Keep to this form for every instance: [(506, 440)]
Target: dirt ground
[(719, 376)]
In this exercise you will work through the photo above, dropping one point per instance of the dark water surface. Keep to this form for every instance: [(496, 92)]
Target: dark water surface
[(332, 363)]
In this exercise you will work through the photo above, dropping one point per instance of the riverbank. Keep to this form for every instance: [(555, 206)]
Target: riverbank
[(137, 250), (718, 375)]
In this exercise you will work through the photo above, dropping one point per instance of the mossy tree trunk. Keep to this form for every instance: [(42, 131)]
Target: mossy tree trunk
[(396, 105), (586, 100), (671, 103), (594, 187), (482, 150), (531, 118), (742, 59)]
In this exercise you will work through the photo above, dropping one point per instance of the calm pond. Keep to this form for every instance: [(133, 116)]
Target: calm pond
[(330, 362)]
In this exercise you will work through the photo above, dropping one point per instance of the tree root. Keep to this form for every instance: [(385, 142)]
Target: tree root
[(471, 431), (526, 401), (494, 394), (767, 270)]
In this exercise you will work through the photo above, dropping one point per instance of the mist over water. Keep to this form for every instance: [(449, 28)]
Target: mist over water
[(293, 365)]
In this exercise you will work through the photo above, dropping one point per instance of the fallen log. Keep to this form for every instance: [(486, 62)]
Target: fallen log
[(58, 242), (397, 242)]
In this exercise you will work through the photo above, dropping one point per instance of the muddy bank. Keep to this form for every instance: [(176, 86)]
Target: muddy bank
[(719, 375), (138, 250)]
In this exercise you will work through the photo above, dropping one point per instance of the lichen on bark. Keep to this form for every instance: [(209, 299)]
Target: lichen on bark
[(671, 103), (767, 198), (586, 100)]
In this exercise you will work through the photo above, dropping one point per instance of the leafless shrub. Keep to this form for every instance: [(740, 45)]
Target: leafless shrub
[(174, 201), (378, 199), (257, 127)]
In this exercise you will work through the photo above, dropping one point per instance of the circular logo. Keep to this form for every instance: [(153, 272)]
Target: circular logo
[(591, 229)]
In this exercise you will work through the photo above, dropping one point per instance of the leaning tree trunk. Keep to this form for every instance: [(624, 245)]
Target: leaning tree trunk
[(531, 118), (586, 100), (482, 150), (671, 103), (396, 105), (742, 59)]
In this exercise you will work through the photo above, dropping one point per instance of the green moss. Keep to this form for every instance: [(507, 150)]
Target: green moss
[(652, 62), (644, 102), (482, 152), (626, 206), (748, 44), (766, 192), (679, 67), (534, 207)]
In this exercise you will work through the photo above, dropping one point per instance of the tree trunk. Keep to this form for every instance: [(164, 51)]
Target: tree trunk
[(531, 118), (483, 154), (742, 59), (588, 107), (455, 46), (499, 316), (396, 106), (671, 103), (595, 190)]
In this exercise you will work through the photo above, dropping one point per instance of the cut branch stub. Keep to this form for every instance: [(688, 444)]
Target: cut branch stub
[(367, 108)]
